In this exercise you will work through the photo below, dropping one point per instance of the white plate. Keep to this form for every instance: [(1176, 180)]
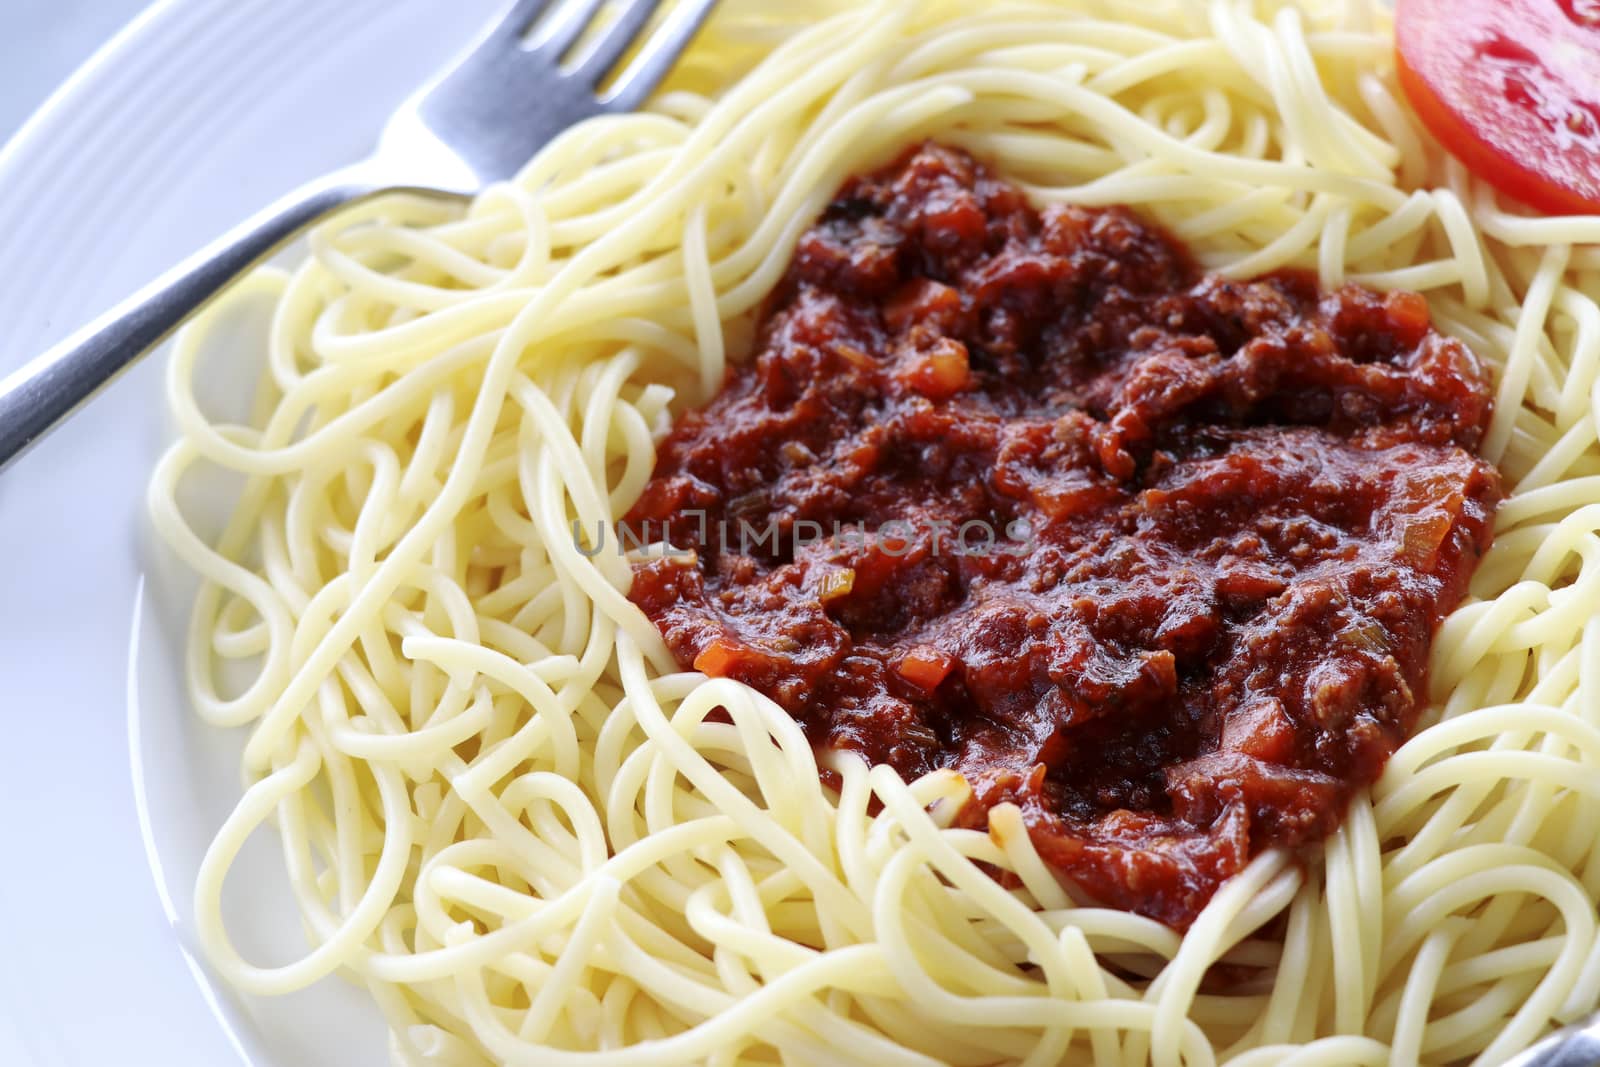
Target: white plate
[(198, 113)]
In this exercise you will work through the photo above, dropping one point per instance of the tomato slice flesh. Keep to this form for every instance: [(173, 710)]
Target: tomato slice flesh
[(1512, 89)]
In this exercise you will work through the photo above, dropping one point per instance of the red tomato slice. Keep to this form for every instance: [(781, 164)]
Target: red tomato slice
[(1512, 89)]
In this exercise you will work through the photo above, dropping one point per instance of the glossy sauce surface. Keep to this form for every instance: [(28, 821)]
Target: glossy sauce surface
[(1154, 555)]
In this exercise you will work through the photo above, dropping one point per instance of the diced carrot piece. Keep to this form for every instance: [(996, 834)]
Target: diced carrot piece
[(925, 668), (1262, 730), (1408, 314), (941, 372), (717, 658)]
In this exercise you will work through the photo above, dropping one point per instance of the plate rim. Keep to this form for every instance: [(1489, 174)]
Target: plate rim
[(79, 151), (15, 148)]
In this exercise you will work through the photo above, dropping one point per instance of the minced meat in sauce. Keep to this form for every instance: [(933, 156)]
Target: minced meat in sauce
[(1153, 554)]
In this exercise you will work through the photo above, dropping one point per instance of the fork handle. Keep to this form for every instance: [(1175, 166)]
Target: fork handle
[(43, 392)]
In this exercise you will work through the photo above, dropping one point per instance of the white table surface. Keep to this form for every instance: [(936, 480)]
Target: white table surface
[(43, 41)]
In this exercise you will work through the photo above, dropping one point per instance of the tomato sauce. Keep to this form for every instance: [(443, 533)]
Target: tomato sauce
[(1167, 550)]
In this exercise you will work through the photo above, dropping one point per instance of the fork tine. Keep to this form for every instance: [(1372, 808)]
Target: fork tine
[(515, 22), (567, 24), (659, 54), (616, 39)]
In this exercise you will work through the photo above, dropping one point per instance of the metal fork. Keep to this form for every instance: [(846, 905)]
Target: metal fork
[(1576, 1045), (475, 123)]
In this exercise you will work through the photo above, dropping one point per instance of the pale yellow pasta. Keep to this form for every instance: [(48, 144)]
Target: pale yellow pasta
[(508, 814)]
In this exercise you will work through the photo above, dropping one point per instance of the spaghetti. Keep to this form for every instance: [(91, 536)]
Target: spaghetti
[(506, 812)]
